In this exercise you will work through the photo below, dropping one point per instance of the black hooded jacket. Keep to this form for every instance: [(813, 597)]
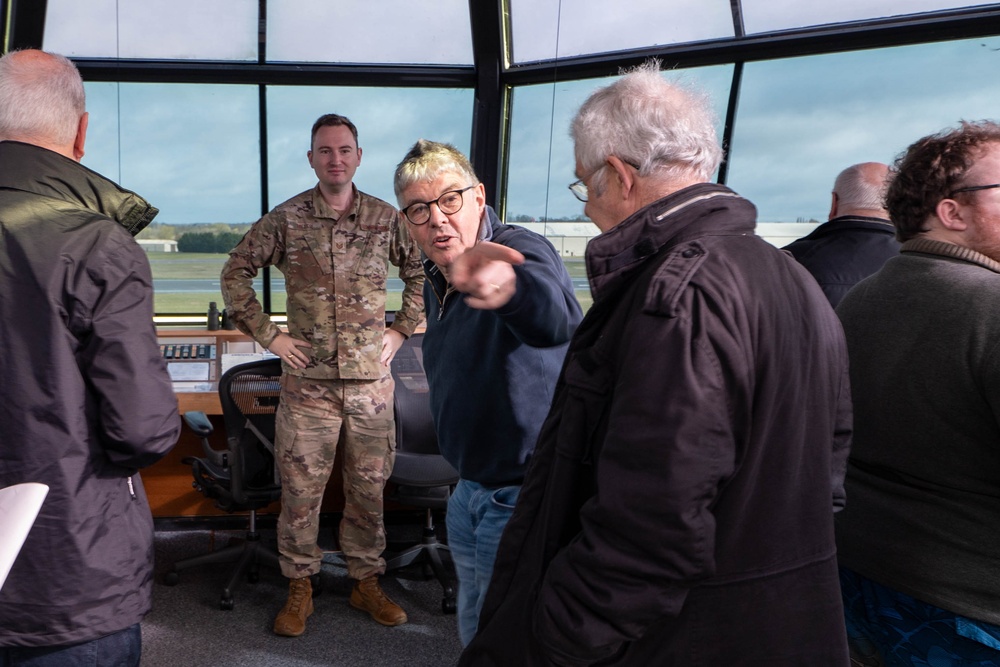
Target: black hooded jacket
[(85, 399)]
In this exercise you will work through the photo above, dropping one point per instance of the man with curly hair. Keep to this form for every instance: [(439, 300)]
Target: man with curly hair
[(917, 542)]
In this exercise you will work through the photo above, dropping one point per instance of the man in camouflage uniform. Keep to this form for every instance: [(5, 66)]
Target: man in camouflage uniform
[(333, 244)]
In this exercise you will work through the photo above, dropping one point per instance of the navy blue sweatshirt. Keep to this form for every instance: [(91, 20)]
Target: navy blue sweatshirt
[(492, 373)]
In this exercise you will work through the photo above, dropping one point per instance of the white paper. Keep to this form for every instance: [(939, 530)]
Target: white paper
[(188, 371), (19, 505)]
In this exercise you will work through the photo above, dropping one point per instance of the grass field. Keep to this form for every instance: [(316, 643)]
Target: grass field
[(186, 265), (205, 266)]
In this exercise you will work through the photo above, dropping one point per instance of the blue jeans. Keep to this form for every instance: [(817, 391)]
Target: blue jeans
[(476, 518), (121, 649), (887, 628)]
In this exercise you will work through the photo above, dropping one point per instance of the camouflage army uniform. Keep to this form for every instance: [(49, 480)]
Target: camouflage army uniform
[(335, 272)]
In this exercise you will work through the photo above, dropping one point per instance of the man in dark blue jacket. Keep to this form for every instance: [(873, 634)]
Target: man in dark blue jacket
[(500, 313), (858, 238)]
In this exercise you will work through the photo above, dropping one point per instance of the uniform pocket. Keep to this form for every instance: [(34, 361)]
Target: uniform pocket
[(307, 254), (373, 263)]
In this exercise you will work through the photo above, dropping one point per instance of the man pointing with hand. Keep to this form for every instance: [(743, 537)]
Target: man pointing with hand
[(500, 312)]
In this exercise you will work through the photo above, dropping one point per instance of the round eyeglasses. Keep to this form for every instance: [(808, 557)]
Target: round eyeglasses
[(418, 213)]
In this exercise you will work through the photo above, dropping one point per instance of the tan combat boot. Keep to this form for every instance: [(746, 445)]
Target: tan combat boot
[(291, 620), (368, 596)]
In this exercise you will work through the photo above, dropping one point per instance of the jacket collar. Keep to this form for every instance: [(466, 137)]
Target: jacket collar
[(323, 210), (951, 250), (845, 222), (39, 171), (699, 210)]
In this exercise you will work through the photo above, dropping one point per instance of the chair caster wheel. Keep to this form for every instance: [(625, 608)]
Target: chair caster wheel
[(171, 578), (449, 606), (226, 604)]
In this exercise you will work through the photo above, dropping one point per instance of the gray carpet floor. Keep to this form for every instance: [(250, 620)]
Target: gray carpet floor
[(188, 629)]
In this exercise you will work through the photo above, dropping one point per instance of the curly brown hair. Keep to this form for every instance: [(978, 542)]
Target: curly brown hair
[(930, 170)]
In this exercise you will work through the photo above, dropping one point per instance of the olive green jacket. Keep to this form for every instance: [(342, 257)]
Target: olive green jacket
[(335, 269)]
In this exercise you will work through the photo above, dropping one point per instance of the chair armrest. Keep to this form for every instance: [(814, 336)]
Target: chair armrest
[(198, 422)]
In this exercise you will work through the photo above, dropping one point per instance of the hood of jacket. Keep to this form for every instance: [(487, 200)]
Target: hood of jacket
[(42, 172), (683, 215)]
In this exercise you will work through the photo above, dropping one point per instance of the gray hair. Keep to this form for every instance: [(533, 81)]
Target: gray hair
[(429, 159), (644, 119), (862, 186), (40, 98)]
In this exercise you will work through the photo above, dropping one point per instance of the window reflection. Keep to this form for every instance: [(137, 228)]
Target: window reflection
[(193, 151), (802, 120)]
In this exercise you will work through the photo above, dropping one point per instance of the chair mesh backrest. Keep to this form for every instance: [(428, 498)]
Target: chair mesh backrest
[(249, 395), (414, 423)]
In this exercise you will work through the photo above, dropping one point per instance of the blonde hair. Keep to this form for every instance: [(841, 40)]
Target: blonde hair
[(429, 159)]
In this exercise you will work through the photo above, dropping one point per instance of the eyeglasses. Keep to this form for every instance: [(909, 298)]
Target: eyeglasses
[(974, 188), (579, 188), (450, 202)]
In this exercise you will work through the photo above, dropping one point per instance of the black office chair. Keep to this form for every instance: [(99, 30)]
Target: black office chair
[(421, 476), (242, 477)]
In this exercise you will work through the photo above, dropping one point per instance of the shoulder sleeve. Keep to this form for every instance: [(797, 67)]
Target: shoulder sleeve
[(139, 422), (263, 245), (405, 254), (544, 311)]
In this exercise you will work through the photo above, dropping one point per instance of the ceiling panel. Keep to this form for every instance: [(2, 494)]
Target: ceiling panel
[(154, 29), (549, 29), (771, 15), (434, 32)]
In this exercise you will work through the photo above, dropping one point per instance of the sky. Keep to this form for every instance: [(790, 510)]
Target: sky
[(194, 150)]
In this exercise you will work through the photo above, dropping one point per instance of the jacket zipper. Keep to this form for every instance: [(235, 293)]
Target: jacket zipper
[(441, 300), (131, 489)]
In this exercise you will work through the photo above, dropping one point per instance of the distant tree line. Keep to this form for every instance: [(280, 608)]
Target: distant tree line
[(210, 237), (221, 242)]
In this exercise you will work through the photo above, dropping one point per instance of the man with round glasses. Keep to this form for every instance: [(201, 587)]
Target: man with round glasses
[(500, 312)]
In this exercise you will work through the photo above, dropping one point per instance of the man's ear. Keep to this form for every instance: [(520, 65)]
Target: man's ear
[(81, 136), (625, 175), (953, 216), (834, 200)]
